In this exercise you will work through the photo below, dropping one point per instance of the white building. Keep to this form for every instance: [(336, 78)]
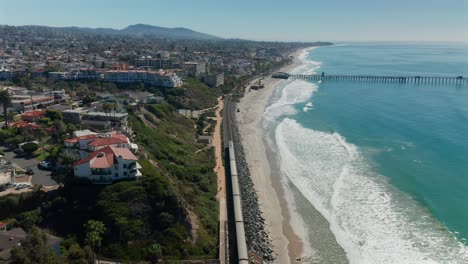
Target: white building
[(194, 68), (24, 103), (59, 76), (107, 165), (214, 80), (159, 78)]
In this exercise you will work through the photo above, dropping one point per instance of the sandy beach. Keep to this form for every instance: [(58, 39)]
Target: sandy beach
[(276, 203)]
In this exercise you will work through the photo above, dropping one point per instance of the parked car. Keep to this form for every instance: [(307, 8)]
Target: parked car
[(10, 185), (46, 165), (21, 186), (29, 171)]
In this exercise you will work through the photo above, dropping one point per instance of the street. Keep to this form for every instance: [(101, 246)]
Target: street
[(40, 177)]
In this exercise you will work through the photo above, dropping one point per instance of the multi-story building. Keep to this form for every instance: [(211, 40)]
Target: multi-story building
[(194, 68), (59, 76), (107, 165), (214, 80), (155, 63), (159, 78), (25, 103), (5, 74), (81, 74), (96, 120)]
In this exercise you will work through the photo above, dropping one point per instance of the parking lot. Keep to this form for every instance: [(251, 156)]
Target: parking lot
[(40, 177)]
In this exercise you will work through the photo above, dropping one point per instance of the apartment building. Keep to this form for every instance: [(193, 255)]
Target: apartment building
[(214, 80), (194, 68), (159, 78)]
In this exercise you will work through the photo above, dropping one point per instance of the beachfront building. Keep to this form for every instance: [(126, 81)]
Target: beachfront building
[(194, 68), (107, 165), (214, 80), (158, 78)]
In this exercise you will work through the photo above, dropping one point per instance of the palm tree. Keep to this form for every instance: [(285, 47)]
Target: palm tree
[(5, 100), (94, 231), (114, 107), (106, 107), (155, 253)]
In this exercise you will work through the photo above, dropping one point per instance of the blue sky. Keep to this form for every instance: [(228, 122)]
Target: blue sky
[(291, 20)]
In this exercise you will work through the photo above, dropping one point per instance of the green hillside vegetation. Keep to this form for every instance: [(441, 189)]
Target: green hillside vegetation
[(193, 95), (176, 192)]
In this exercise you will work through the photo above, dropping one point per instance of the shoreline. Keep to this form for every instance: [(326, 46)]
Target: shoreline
[(287, 233)]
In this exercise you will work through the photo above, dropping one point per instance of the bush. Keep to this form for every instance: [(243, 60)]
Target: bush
[(30, 147)]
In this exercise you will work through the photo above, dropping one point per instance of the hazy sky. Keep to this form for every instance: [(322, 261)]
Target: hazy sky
[(295, 20)]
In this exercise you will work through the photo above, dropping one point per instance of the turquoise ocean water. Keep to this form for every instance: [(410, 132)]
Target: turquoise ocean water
[(385, 164)]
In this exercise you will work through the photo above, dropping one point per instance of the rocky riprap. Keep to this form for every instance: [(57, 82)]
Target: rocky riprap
[(258, 240)]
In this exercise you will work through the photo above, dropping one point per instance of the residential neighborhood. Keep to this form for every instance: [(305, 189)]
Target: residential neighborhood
[(111, 144)]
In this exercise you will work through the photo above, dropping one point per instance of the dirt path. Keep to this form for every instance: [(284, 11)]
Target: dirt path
[(219, 169)]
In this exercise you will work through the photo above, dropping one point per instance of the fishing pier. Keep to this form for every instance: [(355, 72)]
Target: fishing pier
[(457, 80)]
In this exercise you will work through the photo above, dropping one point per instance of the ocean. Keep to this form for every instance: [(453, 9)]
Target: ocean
[(385, 164)]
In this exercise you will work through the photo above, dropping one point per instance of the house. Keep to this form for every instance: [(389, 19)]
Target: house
[(80, 142), (100, 143), (107, 165), (104, 121), (33, 116), (12, 238), (93, 141)]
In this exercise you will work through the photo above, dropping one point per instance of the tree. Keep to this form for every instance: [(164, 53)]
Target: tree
[(94, 231), (34, 249), (106, 107), (121, 223), (5, 100), (30, 147), (154, 253), (53, 114)]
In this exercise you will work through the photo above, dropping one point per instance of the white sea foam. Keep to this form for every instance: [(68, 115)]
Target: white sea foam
[(295, 91), (372, 221)]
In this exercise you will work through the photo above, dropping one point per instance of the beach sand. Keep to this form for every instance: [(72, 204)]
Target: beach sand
[(288, 234)]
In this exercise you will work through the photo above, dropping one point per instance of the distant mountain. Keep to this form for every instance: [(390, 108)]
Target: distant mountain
[(142, 30)]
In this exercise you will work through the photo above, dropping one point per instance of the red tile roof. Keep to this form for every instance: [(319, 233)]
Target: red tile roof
[(108, 158), (22, 124), (35, 113), (99, 142)]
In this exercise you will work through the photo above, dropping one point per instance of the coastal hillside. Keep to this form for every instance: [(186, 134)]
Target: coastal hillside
[(173, 206)]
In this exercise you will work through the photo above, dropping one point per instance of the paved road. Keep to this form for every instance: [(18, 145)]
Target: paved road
[(40, 177)]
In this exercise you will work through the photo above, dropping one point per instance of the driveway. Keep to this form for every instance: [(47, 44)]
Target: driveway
[(40, 177)]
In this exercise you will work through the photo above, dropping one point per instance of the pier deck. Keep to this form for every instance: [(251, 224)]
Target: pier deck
[(374, 78)]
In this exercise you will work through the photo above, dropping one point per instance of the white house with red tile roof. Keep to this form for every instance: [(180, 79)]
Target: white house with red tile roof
[(107, 165), (100, 143), (94, 142)]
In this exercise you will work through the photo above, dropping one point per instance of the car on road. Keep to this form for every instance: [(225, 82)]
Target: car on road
[(29, 171), (21, 186), (47, 165)]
